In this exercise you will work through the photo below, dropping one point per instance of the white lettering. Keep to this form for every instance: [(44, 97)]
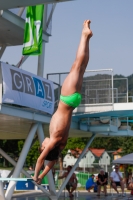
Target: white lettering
[(49, 97), (39, 88), (14, 79), (28, 81), (26, 184), (37, 24), (47, 104), (31, 41)]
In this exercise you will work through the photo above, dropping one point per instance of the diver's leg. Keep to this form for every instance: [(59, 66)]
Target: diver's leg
[(73, 81)]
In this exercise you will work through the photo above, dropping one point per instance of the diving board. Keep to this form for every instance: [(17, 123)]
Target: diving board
[(16, 179), (2, 195)]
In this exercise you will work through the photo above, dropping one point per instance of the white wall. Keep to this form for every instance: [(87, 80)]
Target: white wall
[(105, 159), (86, 161), (68, 160)]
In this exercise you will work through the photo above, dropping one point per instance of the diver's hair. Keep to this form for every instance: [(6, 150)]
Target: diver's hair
[(53, 154)]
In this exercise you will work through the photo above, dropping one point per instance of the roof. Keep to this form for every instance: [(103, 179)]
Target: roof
[(76, 152), (117, 152), (97, 152)]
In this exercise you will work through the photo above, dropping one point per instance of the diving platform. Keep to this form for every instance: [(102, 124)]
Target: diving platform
[(5, 4), (106, 107), (15, 123), (12, 29)]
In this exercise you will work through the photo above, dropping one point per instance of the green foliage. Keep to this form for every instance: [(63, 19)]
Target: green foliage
[(127, 145), (73, 143), (33, 153), (120, 84), (20, 145), (108, 143), (10, 146), (130, 84)]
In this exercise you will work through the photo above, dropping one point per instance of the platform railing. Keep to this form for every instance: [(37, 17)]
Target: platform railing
[(99, 87)]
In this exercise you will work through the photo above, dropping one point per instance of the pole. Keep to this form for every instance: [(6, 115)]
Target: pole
[(23, 171), (21, 161), (40, 69), (2, 195), (76, 164)]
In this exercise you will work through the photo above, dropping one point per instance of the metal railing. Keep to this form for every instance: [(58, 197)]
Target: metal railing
[(99, 87)]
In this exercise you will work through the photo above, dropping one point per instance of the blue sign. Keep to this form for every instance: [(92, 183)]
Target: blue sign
[(26, 89), (25, 185)]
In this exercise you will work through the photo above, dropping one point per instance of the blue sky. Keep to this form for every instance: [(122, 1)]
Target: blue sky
[(110, 47)]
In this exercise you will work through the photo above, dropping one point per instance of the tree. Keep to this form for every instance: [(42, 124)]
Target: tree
[(108, 143), (33, 154), (11, 148), (73, 143), (127, 145)]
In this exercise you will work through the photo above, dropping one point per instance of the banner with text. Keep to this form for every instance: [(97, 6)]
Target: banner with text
[(26, 89), (33, 30)]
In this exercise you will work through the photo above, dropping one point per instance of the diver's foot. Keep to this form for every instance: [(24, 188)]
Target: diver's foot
[(86, 29), (39, 181), (34, 178)]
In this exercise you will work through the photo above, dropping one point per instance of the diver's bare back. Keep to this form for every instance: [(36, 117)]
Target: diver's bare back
[(60, 123)]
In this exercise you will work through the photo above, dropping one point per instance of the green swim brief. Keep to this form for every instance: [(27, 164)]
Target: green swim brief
[(72, 100)]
